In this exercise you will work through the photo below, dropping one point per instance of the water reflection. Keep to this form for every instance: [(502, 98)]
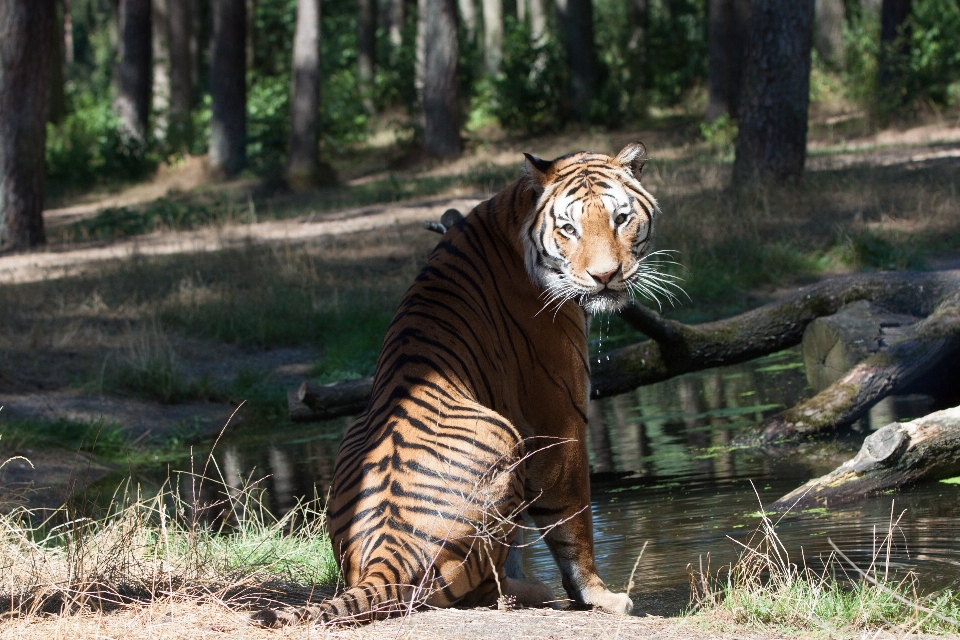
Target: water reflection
[(665, 473)]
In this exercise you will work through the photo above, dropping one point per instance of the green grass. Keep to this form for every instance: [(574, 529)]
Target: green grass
[(105, 439)]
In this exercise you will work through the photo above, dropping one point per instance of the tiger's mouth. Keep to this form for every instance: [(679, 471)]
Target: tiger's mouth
[(605, 300)]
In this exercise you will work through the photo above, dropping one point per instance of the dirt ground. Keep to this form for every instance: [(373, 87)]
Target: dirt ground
[(188, 620)]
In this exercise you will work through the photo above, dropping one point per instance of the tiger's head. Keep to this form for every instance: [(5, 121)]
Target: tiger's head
[(591, 229)]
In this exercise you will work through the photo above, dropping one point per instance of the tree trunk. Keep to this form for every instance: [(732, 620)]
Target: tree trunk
[(921, 347), (228, 86), (897, 455), (676, 348), (829, 18), (181, 69), (890, 61), (729, 26), (160, 22), (437, 47), (135, 71), (538, 20), (576, 16), (67, 33), (57, 107), (772, 113), (637, 45), (492, 35), (24, 71), (395, 16), (468, 13), (303, 162), (366, 49)]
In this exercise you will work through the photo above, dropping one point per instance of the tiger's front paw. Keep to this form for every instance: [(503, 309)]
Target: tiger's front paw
[(616, 603)]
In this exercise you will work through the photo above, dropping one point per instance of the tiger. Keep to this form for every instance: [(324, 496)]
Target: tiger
[(478, 412)]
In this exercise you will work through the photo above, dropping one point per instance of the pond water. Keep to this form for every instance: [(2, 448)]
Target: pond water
[(665, 474)]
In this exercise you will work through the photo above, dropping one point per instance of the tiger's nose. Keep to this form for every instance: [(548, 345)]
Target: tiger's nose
[(604, 278)]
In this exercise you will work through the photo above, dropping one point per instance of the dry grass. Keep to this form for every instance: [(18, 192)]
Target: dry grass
[(196, 541)]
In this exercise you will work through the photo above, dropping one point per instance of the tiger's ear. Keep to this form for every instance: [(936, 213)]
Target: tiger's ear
[(633, 157), (536, 169)]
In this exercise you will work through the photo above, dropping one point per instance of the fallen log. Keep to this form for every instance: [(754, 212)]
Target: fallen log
[(312, 402), (920, 348), (897, 455), (677, 348), (834, 344)]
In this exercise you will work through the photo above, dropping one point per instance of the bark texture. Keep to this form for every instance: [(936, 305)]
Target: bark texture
[(676, 348), (896, 455), (772, 113), (437, 42), (303, 161), (135, 70), (24, 86), (492, 35), (160, 25), (729, 26), (468, 13), (893, 20), (181, 64), (829, 19), (920, 348), (228, 86), (57, 99), (576, 17), (366, 48)]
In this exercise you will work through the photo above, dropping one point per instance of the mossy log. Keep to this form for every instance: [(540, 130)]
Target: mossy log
[(919, 349), (676, 348), (895, 456)]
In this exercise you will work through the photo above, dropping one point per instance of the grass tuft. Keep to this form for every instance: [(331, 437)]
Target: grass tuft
[(765, 588), (165, 545)]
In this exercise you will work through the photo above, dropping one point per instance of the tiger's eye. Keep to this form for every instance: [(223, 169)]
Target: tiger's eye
[(569, 229), (620, 219)]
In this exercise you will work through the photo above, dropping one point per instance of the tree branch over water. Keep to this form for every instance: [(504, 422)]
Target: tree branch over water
[(676, 348)]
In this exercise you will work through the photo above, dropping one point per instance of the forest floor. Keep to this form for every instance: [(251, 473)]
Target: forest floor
[(156, 309)]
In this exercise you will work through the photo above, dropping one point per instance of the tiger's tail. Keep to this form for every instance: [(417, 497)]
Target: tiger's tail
[(373, 598)]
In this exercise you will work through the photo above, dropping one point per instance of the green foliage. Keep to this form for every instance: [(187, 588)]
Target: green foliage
[(677, 48), (529, 92), (721, 134), (268, 122), (89, 147), (929, 69), (934, 41)]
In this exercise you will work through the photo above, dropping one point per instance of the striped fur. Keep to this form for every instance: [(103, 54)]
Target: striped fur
[(478, 409)]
